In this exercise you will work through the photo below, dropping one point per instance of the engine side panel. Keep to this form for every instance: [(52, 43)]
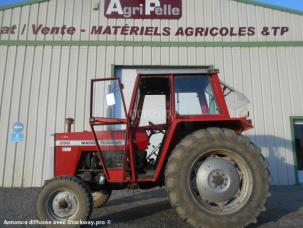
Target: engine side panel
[(70, 146)]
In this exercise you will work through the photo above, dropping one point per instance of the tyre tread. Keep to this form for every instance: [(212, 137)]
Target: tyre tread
[(211, 134), (82, 187)]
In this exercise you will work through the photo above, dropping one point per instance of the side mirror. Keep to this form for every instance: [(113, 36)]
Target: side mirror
[(110, 99), (121, 85)]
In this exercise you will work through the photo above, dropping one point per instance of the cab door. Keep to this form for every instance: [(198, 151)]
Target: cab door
[(109, 126)]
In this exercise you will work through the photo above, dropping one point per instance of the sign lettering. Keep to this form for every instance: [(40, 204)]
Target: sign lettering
[(143, 9), (130, 30)]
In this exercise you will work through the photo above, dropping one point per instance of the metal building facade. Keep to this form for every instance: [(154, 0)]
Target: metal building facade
[(45, 78)]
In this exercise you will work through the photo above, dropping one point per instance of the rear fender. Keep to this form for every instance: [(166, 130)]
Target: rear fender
[(237, 124)]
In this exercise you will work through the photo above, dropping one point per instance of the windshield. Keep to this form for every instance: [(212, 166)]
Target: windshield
[(107, 100), (234, 99)]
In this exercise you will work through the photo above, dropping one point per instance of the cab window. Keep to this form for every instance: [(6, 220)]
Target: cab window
[(194, 95)]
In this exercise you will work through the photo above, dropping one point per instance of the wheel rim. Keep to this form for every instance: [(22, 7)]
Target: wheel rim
[(221, 181), (62, 205)]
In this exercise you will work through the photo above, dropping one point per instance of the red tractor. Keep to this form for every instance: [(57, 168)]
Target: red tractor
[(215, 177)]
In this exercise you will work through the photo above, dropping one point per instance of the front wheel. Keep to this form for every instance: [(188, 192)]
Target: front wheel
[(216, 178), (101, 197), (64, 198)]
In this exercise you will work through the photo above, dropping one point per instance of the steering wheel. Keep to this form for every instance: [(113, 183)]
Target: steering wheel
[(152, 124)]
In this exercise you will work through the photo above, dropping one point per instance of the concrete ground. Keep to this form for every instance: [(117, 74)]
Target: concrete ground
[(151, 208)]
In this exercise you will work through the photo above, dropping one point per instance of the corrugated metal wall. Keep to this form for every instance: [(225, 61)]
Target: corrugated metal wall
[(41, 86)]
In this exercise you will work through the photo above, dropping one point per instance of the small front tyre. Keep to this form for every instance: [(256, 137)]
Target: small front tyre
[(100, 197), (64, 198), (217, 178)]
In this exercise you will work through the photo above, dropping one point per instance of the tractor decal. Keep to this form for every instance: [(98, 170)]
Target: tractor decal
[(90, 143)]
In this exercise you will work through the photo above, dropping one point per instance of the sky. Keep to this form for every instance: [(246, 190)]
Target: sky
[(292, 4)]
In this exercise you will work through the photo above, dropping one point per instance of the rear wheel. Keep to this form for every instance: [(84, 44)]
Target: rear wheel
[(64, 198), (216, 178), (101, 197)]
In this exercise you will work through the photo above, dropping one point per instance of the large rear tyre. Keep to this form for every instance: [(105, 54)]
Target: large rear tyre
[(101, 197), (64, 198), (217, 178)]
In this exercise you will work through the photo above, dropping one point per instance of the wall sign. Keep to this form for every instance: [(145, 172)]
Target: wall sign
[(18, 128), (143, 9), (130, 30)]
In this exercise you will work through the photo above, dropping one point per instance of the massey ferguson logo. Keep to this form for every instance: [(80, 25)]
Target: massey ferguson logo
[(143, 9)]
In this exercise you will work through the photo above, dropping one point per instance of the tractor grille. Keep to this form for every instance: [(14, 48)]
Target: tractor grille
[(113, 159)]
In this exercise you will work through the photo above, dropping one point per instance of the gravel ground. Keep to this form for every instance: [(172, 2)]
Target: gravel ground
[(151, 208)]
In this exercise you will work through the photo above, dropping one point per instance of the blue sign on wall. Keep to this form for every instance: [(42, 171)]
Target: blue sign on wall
[(18, 129), (17, 137)]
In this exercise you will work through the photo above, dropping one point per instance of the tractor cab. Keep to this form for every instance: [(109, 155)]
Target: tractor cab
[(165, 106)]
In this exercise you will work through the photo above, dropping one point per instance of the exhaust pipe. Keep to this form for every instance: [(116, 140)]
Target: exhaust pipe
[(69, 122)]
